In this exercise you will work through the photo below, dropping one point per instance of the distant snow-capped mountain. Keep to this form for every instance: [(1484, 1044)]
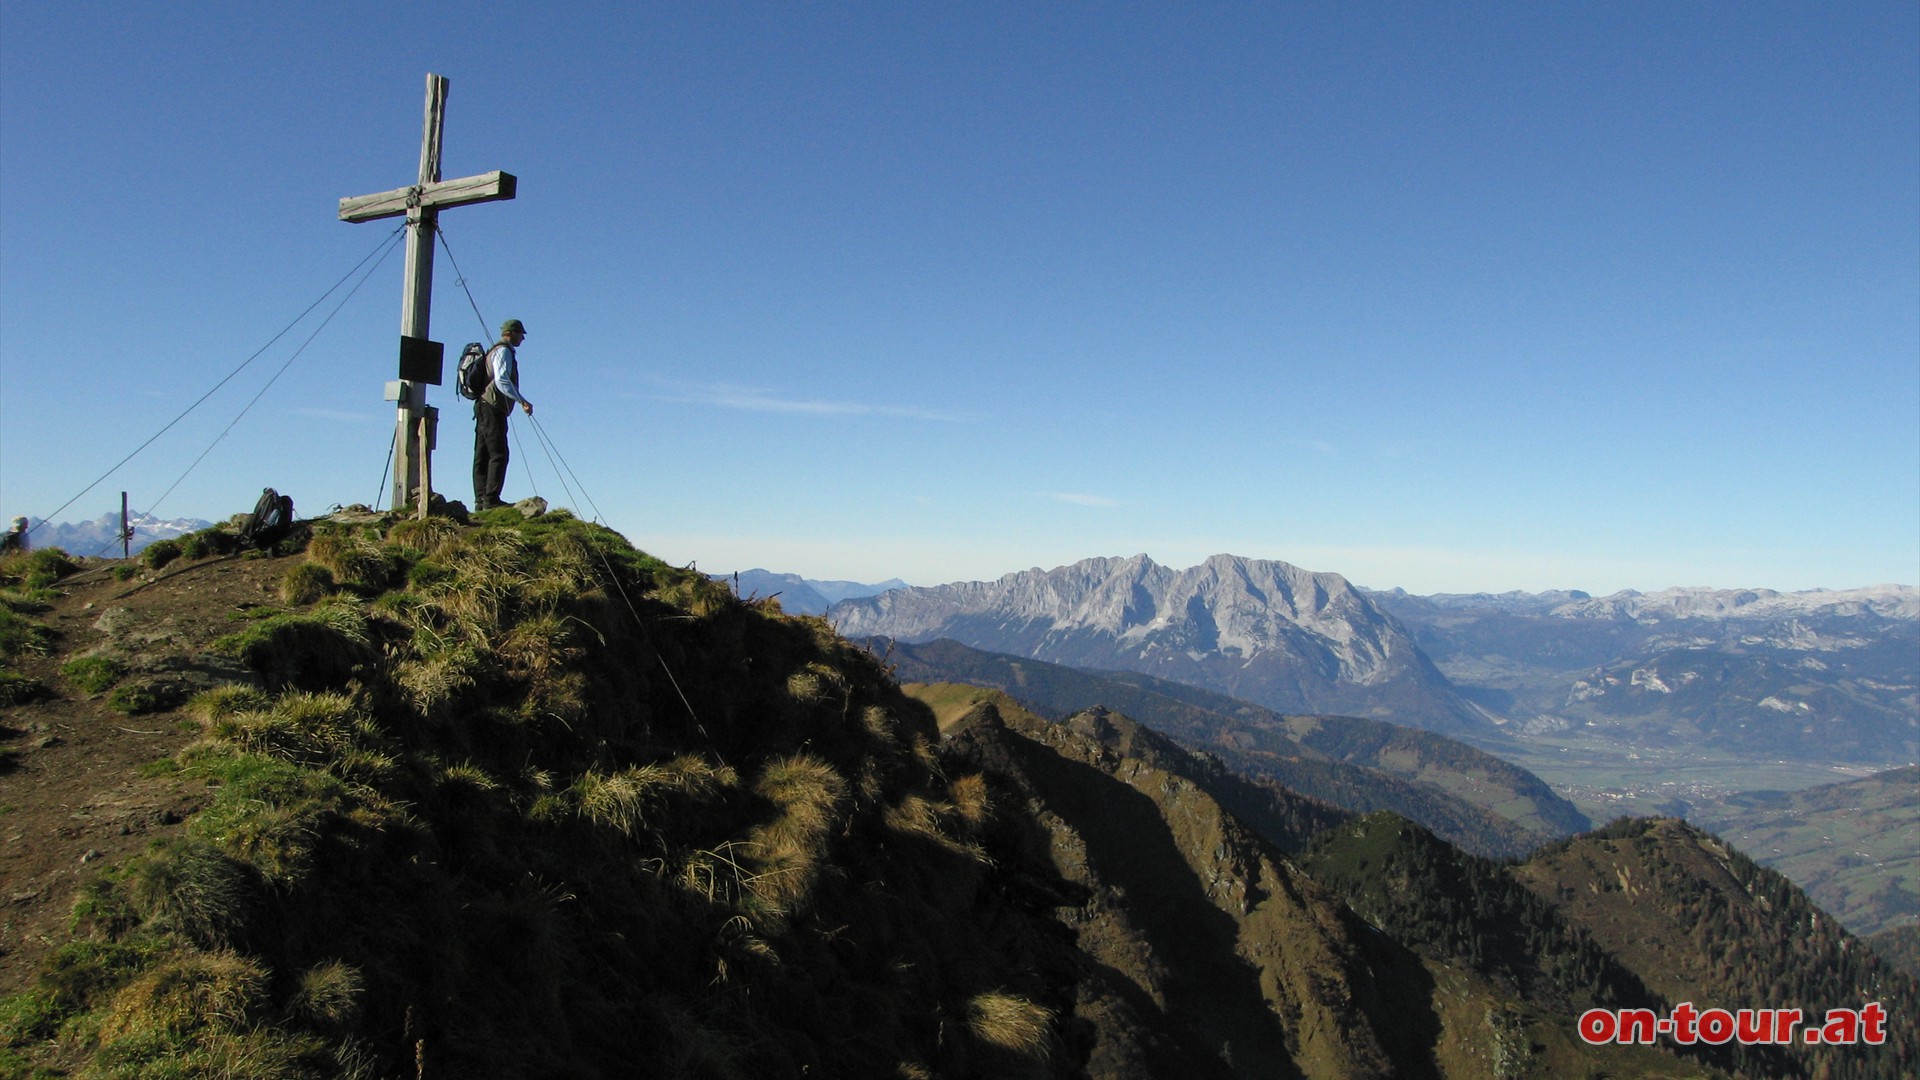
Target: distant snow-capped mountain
[(1268, 632), (798, 595), (1886, 601), (1833, 674), (101, 536)]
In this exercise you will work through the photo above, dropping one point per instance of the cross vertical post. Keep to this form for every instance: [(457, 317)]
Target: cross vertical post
[(416, 311), (413, 436)]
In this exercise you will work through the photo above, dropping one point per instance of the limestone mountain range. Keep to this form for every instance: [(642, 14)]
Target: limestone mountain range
[(1265, 631), (1748, 670)]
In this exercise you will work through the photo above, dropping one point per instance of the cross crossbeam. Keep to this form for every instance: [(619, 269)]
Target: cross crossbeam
[(487, 187)]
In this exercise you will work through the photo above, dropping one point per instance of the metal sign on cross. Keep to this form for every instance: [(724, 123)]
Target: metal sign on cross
[(413, 435)]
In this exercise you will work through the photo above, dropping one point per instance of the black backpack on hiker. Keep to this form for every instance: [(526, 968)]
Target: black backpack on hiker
[(472, 377), (270, 522)]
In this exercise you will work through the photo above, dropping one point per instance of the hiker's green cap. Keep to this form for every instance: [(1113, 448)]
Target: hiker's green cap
[(512, 326)]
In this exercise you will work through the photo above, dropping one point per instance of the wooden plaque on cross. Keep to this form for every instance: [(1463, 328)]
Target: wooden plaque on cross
[(421, 203)]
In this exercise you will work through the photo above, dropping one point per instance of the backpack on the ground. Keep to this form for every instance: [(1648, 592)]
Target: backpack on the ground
[(270, 522), (472, 377)]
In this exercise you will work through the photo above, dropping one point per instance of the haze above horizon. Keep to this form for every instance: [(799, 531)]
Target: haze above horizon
[(1510, 297)]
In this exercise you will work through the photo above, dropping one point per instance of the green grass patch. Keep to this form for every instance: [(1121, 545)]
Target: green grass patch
[(356, 561), (161, 552), (426, 574), (18, 689), (273, 625), (84, 970), (36, 569), (93, 674), (20, 635), (214, 540), (150, 695), (268, 811), (316, 649), (26, 601), (14, 1065), (29, 1016)]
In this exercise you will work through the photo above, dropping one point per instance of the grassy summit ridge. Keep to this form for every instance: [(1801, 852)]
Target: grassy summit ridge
[(519, 800)]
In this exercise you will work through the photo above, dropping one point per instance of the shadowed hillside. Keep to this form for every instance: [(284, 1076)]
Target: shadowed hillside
[(1283, 817), (1228, 960), (1470, 797), (1170, 887), (511, 800)]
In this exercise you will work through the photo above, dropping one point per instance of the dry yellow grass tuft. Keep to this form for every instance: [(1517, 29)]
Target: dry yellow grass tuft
[(541, 644), (329, 994), (434, 682), (939, 822), (304, 727), (790, 848), (620, 800), (356, 562), (627, 799), (433, 537), (971, 800), (808, 791), (305, 583), (210, 706), (1010, 1023)]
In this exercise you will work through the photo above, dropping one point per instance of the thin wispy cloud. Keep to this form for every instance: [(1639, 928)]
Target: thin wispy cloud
[(1077, 499), (757, 399)]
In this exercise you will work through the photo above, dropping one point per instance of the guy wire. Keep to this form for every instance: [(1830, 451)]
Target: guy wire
[(276, 378), (553, 456), (390, 238), (383, 476)]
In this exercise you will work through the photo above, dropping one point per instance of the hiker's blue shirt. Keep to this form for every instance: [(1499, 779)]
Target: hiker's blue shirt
[(504, 368)]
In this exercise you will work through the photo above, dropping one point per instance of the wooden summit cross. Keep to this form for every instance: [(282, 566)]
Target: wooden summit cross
[(414, 429)]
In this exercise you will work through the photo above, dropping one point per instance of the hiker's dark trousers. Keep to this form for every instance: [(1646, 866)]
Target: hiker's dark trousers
[(489, 454)]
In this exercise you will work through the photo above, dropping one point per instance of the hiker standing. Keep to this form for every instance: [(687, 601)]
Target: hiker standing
[(15, 538), (490, 412)]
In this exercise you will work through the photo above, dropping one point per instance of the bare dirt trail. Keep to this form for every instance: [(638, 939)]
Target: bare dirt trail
[(77, 796)]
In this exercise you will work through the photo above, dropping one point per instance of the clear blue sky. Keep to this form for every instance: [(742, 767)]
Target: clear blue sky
[(1448, 297)]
